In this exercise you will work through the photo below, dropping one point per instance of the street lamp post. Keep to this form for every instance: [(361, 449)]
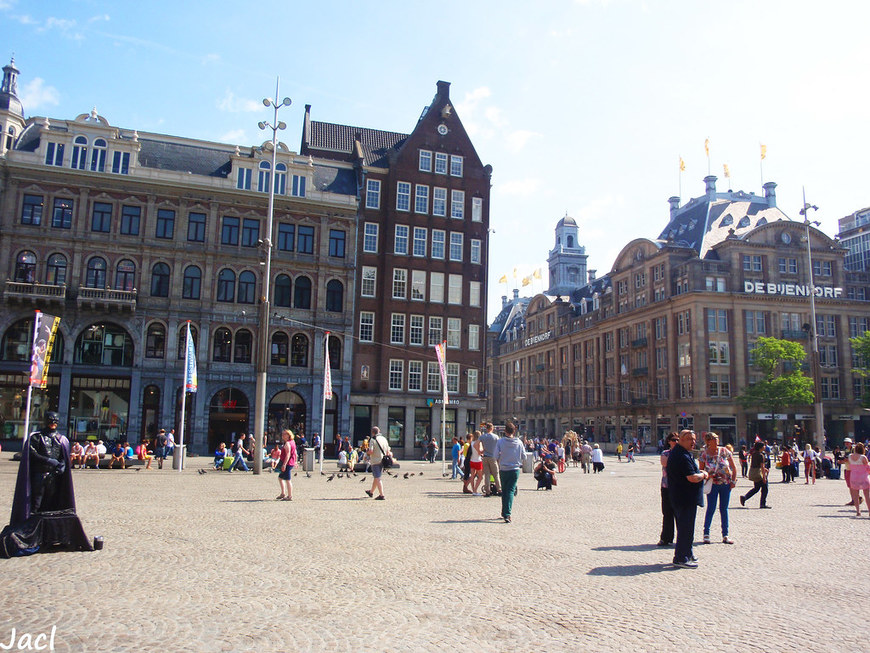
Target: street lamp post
[(263, 347), (819, 409)]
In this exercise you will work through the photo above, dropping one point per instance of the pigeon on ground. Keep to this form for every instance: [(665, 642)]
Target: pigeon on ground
[(332, 476), (307, 474), (406, 474), (363, 479)]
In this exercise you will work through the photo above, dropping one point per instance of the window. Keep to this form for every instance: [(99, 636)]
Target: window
[(286, 236), (397, 329), (400, 283), (717, 320), (25, 267), (418, 285), (755, 322), (415, 375), (457, 204), (454, 289), (456, 246), (369, 280), (438, 241), (283, 291), (55, 273), (125, 275), (165, 223), (471, 380), (474, 337), (685, 354), (439, 202), (182, 340), (160, 280), (366, 326), (751, 263), (302, 293), (435, 330), (826, 326), (720, 385), (192, 283), (247, 287), (250, 232), (715, 284), (229, 230), (421, 199), (401, 240), (101, 218), (264, 176), (433, 377), (130, 218), (420, 240), (475, 250), (476, 209), (415, 330), (305, 240), (452, 377), (222, 348), (80, 153), (395, 382), (243, 179), (788, 265), (370, 238), (719, 354), (61, 217), (373, 194), (155, 341), (31, 209), (298, 187), (54, 154), (95, 275), (828, 356), (279, 353), (335, 296), (454, 332), (403, 196), (226, 285), (196, 227), (436, 287), (474, 293), (830, 387), (440, 163), (336, 243), (685, 386), (98, 156), (425, 161), (281, 179), (456, 164), (121, 163), (661, 328), (243, 346), (661, 358), (299, 350), (822, 268)]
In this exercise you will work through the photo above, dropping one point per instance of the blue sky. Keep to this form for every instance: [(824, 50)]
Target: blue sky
[(581, 107)]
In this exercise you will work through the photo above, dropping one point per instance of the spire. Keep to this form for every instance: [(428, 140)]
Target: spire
[(9, 89)]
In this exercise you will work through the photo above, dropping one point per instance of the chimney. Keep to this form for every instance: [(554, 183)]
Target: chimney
[(443, 89), (770, 193), (591, 274), (503, 301), (710, 180), (675, 205), (516, 294)]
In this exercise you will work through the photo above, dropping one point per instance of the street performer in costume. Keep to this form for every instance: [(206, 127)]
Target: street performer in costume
[(43, 508)]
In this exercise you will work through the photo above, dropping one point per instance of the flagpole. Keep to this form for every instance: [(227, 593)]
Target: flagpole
[(323, 395), (183, 399)]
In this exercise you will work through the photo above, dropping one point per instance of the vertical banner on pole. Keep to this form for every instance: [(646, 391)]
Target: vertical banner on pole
[(441, 354), (327, 394), (44, 330), (190, 384)]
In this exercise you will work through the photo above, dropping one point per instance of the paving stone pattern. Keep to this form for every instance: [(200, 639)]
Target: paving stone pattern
[(211, 562)]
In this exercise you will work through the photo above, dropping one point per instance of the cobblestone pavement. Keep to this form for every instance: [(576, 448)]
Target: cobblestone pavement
[(211, 562)]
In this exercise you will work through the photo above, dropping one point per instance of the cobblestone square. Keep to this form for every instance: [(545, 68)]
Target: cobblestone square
[(211, 562)]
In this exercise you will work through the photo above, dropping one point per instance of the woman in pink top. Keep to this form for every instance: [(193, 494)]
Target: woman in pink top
[(286, 463), (857, 463)]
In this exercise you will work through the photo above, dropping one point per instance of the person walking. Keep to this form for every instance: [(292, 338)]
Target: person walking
[(509, 454), (490, 466), (597, 459), (719, 463), (456, 470), (586, 457), (668, 519), (286, 463), (809, 458), (476, 463), (857, 463), (744, 464), (378, 448), (757, 474), (239, 458), (684, 490)]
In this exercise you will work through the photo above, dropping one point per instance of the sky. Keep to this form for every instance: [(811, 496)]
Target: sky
[(583, 108)]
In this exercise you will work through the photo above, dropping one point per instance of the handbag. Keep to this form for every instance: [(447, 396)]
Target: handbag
[(708, 485), (755, 475), (386, 459)]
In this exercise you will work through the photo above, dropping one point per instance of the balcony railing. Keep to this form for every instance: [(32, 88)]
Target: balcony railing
[(790, 334), (107, 298), (33, 291), (640, 371), (639, 342)]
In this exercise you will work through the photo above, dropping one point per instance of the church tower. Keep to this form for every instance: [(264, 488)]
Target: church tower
[(11, 111), (567, 261)]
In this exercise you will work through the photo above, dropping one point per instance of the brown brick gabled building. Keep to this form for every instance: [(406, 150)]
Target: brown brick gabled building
[(421, 279)]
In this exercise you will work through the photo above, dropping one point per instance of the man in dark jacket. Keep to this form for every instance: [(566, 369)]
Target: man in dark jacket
[(685, 490)]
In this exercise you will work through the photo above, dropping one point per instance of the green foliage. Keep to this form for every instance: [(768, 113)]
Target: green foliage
[(861, 347), (783, 386)]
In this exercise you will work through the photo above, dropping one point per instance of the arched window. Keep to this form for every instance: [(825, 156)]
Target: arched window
[(10, 138), (280, 179), (226, 286), (283, 288), (570, 241), (95, 276), (334, 296), (280, 346), (79, 153), (25, 267), (104, 344), (762, 221), (223, 346), (125, 275), (155, 341), (55, 271), (244, 345), (160, 280), (17, 343), (302, 293), (247, 287), (334, 353), (744, 222), (299, 351), (263, 176), (726, 220), (98, 155), (182, 340), (192, 282)]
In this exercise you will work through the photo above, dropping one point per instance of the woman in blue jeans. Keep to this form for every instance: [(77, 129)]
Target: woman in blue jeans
[(719, 463)]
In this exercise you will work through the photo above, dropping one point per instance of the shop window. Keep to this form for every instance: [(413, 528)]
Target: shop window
[(104, 344)]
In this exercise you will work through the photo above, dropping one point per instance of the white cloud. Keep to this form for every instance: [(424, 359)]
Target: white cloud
[(26, 19), (232, 104), (235, 136), (37, 94), (62, 24), (212, 57), (94, 19), (517, 140), (494, 115), (521, 187)]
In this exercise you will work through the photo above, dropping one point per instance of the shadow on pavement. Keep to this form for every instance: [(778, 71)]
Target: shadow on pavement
[(631, 570), (490, 520), (630, 547)]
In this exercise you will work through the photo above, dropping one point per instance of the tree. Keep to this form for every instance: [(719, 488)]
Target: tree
[(861, 347), (784, 384)]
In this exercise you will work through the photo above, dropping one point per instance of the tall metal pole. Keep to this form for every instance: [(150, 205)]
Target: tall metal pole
[(263, 346), (819, 409)]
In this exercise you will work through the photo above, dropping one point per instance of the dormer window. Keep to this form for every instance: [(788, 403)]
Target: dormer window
[(79, 153), (298, 187), (243, 179), (744, 222), (264, 176), (98, 155), (280, 179), (10, 138), (727, 220), (54, 154), (121, 163)]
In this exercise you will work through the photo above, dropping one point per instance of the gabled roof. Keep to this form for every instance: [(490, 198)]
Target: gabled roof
[(336, 141)]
